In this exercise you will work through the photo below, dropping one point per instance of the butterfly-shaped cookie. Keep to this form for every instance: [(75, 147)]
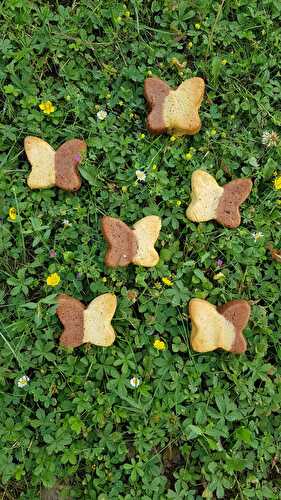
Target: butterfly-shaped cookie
[(135, 245), (219, 327), (91, 324), (174, 111), (51, 168), (210, 201)]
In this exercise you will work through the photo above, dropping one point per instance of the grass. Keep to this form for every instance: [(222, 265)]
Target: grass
[(198, 425)]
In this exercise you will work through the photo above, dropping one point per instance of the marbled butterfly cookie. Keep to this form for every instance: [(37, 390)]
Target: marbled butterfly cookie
[(175, 112), (51, 168), (136, 245), (211, 201), (219, 327), (87, 324)]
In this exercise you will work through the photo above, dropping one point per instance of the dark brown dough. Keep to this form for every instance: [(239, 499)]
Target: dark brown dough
[(237, 312), (67, 159), (235, 192), (70, 312), (155, 91), (122, 242)]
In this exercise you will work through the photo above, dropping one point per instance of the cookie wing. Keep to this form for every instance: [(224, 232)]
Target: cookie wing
[(181, 109), (41, 156), (194, 89), (237, 312), (147, 231), (97, 320), (205, 197), (70, 312), (67, 158), (234, 193), (121, 240), (155, 92)]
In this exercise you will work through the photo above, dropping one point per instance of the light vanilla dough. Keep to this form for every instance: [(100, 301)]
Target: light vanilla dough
[(97, 320), (42, 159), (147, 232), (205, 197), (181, 106)]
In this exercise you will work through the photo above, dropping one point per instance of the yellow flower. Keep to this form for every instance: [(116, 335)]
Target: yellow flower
[(224, 62), (173, 138), (167, 282), (124, 189), (47, 107), (190, 44), (278, 202), (197, 26), (213, 132), (154, 167), (277, 182), (12, 213), (127, 13), (53, 279), (141, 136), (188, 156), (178, 203), (159, 345)]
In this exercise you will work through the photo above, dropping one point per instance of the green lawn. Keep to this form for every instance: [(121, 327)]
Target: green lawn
[(198, 426)]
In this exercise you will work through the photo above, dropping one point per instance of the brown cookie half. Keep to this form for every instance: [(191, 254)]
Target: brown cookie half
[(67, 158), (155, 91), (234, 193), (238, 313), (121, 240), (70, 312)]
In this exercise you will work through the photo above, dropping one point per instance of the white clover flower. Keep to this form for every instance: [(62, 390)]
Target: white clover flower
[(141, 175), (66, 223), (135, 382), (257, 236), (101, 115), (23, 381), (270, 139)]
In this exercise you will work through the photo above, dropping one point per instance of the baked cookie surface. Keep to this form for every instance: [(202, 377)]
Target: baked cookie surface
[(51, 168), (211, 201), (175, 112), (91, 324), (131, 246), (219, 327)]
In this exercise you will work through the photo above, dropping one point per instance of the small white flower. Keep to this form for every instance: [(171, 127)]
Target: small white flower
[(270, 139), (23, 381), (141, 175), (257, 236), (66, 223), (101, 115), (135, 382)]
